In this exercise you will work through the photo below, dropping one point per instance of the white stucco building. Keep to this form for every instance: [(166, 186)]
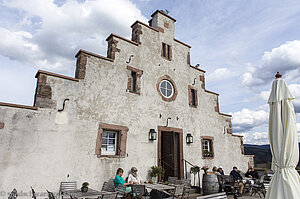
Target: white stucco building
[(108, 110)]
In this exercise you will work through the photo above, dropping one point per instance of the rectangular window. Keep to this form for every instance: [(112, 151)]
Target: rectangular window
[(193, 98), (166, 51), (193, 92), (133, 81), (207, 147), (109, 142)]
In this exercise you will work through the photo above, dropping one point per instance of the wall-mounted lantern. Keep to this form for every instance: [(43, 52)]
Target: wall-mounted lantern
[(152, 134), (189, 138)]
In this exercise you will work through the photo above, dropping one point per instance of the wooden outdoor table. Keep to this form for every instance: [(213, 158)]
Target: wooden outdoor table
[(160, 187), (91, 193)]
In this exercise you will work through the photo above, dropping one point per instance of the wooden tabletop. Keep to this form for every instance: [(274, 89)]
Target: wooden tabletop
[(91, 193), (159, 186)]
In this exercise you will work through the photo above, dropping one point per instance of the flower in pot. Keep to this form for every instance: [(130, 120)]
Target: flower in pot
[(205, 169), (84, 187), (157, 171)]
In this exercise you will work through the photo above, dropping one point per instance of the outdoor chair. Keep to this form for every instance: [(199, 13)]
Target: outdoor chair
[(33, 193), (178, 192), (120, 191), (67, 186), (50, 195), (258, 187), (108, 186), (229, 185), (185, 182), (13, 194), (138, 190), (172, 180), (221, 182)]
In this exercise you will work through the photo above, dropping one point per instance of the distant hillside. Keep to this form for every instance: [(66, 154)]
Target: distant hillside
[(262, 154)]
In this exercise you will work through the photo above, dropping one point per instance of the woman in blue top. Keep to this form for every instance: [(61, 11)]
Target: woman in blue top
[(120, 181)]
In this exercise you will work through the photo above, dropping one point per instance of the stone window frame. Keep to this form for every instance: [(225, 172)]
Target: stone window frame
[(121, 139), (175, 92), (138, 73), (210, 139), (190, 90), (166, 51)]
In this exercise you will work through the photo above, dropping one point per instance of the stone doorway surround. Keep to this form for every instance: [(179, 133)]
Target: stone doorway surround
[(174, 130)]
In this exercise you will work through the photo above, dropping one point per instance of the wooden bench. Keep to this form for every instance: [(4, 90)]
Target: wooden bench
[(67, 186), (221, 195)]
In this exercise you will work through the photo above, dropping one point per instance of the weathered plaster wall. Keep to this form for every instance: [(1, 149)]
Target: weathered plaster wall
[(41, 147)]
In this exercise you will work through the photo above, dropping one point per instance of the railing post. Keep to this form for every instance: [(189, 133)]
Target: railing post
[(185, 169)]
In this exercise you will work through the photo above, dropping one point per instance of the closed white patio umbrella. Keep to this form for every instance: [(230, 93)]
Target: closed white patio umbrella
[(285, 183)]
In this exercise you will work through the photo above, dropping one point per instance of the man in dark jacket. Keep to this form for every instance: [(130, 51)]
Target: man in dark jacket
[(236, 177), (251, 173)]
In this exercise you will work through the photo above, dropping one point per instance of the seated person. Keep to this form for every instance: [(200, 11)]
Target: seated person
[(134, 177), (220, 170), (236, 177), (251, 173), (215, 170), (120, 181)]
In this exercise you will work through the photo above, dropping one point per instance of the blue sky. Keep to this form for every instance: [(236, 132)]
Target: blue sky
[(240, 43)]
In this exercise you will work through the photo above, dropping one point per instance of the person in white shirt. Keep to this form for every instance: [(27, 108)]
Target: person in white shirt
[(134, 177)]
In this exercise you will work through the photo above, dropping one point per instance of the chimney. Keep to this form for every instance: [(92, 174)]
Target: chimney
[(163, 23)]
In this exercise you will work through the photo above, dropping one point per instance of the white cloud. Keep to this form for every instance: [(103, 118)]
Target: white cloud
[(257, 138), (246, 119), (284, 59), (55, 33), (264, 95), (295, 90), (218, 74)]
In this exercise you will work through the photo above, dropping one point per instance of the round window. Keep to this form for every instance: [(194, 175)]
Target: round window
[(166, 88)]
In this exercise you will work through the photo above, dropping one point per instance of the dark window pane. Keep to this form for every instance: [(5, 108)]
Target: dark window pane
[(112, 135), (105, 134), (104, 141), (169, 92), (111, 141), (169, 86)]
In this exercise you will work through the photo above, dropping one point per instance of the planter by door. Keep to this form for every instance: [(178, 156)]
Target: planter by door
[(210, 184)]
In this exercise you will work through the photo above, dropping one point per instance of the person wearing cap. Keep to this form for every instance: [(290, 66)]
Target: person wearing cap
[(220, 170), (134, 177), (236, 178)]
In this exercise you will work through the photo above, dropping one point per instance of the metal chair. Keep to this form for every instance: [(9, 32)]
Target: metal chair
[(33, 193), (258, 187), (67, 186), (13, 194), (178, 192), (172, 180), (50, 195), (138, 190), (230, 186)]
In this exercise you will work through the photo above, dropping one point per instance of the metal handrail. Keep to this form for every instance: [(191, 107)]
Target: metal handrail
[(187, 162)]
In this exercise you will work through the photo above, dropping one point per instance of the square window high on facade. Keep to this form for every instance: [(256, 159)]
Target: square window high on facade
[(109, 142)]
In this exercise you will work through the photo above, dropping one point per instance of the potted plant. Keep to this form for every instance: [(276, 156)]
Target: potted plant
[(157, 171), (85, 187), (195, 170)]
